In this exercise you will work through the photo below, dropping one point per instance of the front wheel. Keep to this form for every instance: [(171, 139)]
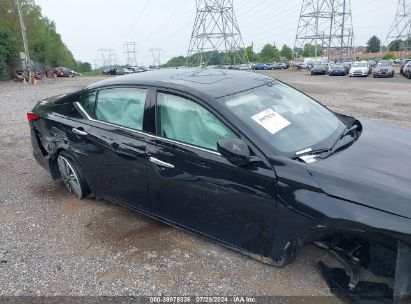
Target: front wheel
[(71, 175)]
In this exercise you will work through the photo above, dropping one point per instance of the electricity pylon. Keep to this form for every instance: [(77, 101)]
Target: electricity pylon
[(326, 24), (131, 53), (106, 55), (215, 30), (400, 30), (156, 53)]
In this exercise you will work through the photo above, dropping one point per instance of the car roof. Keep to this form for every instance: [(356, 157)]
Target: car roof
[(213, 83)]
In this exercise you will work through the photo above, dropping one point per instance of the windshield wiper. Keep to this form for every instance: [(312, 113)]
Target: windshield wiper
[(310, 152), (354, 128), (326, 152)]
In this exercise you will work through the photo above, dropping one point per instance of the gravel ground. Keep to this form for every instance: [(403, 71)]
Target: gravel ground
[(52, 244)]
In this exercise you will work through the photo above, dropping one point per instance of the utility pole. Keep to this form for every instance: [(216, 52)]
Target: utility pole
[(156, 53), (106, 56), (342, 30), (215, 30), (400, 30), (131, 53), (327, 23), (28, 64)]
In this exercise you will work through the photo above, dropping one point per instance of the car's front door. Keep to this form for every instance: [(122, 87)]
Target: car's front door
[(117, 168), (191, 184)]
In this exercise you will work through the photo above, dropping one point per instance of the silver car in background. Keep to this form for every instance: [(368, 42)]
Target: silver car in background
[(360, 69)]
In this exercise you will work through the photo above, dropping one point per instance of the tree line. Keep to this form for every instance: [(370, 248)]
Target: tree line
[(268, 54), (374, 45), (45, 44)]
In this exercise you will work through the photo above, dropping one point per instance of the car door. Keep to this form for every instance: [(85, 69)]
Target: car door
[(192, 185), (117, 167)]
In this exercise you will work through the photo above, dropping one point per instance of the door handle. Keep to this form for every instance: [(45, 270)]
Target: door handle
[(79, 132), (161, 163)]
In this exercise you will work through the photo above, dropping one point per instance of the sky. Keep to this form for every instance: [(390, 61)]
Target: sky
[(89, 25)]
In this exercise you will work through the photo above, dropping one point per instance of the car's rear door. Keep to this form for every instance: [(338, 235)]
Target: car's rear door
[(191, 184), (117, 167)]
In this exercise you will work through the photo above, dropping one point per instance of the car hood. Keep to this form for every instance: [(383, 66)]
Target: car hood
[(375, 171), (359, 69)]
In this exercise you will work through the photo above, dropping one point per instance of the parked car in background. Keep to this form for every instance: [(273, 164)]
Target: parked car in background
[(64, 72), (270, 66), (111, 71), (260, 67), (137, 69), (404, 63), (123, 71), (347, 67), (319, 69), (244, 67), (337, 70), (407, 70), (360, 69), (384, 68), (302, 66), (372, 63), (280, 66)]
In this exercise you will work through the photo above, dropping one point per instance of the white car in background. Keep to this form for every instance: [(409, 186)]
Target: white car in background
[(360, 69)]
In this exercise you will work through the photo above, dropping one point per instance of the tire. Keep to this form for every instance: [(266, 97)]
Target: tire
[(373, 76), (72, 176)]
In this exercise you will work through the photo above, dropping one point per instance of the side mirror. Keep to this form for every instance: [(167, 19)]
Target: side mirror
[(235, 151)]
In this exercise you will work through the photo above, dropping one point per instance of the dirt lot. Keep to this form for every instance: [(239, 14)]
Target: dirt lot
[(52, 244)]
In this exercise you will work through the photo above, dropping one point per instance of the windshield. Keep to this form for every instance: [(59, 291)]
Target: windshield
[(360, 65), (319, 66), (287, 119), (385, 63)]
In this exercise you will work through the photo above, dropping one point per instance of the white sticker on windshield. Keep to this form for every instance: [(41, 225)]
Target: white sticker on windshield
[(271, 121)]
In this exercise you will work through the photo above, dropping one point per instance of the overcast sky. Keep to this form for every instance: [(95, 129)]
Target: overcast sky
[(88, 25)]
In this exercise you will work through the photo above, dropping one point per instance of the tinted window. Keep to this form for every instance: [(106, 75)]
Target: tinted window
[(88, 101), (122, 106), (186, 121)]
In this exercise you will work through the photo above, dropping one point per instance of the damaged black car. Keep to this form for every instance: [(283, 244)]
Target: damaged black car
[(244, 160)]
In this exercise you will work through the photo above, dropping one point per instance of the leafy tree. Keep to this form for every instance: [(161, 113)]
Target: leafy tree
[(395, 45), (269, 53), (176, 62), (286, 52), (373, 44), (83, 67), (249, 51), (45, 44), (389, 56), (309, 50), (8, 50)]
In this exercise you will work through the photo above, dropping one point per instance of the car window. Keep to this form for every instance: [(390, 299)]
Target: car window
[(186, 121), (122, 106), (88, 101)]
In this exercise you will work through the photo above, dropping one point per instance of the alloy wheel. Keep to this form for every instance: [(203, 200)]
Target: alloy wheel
[(69, 176)]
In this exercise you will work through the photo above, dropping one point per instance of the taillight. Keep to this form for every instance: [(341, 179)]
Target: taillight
[(32, 117)]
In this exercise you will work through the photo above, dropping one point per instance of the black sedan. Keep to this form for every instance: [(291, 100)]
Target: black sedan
[(337, 70), (240, 158)]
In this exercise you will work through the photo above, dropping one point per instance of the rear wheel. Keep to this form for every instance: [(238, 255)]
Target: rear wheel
[(71, 175)]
